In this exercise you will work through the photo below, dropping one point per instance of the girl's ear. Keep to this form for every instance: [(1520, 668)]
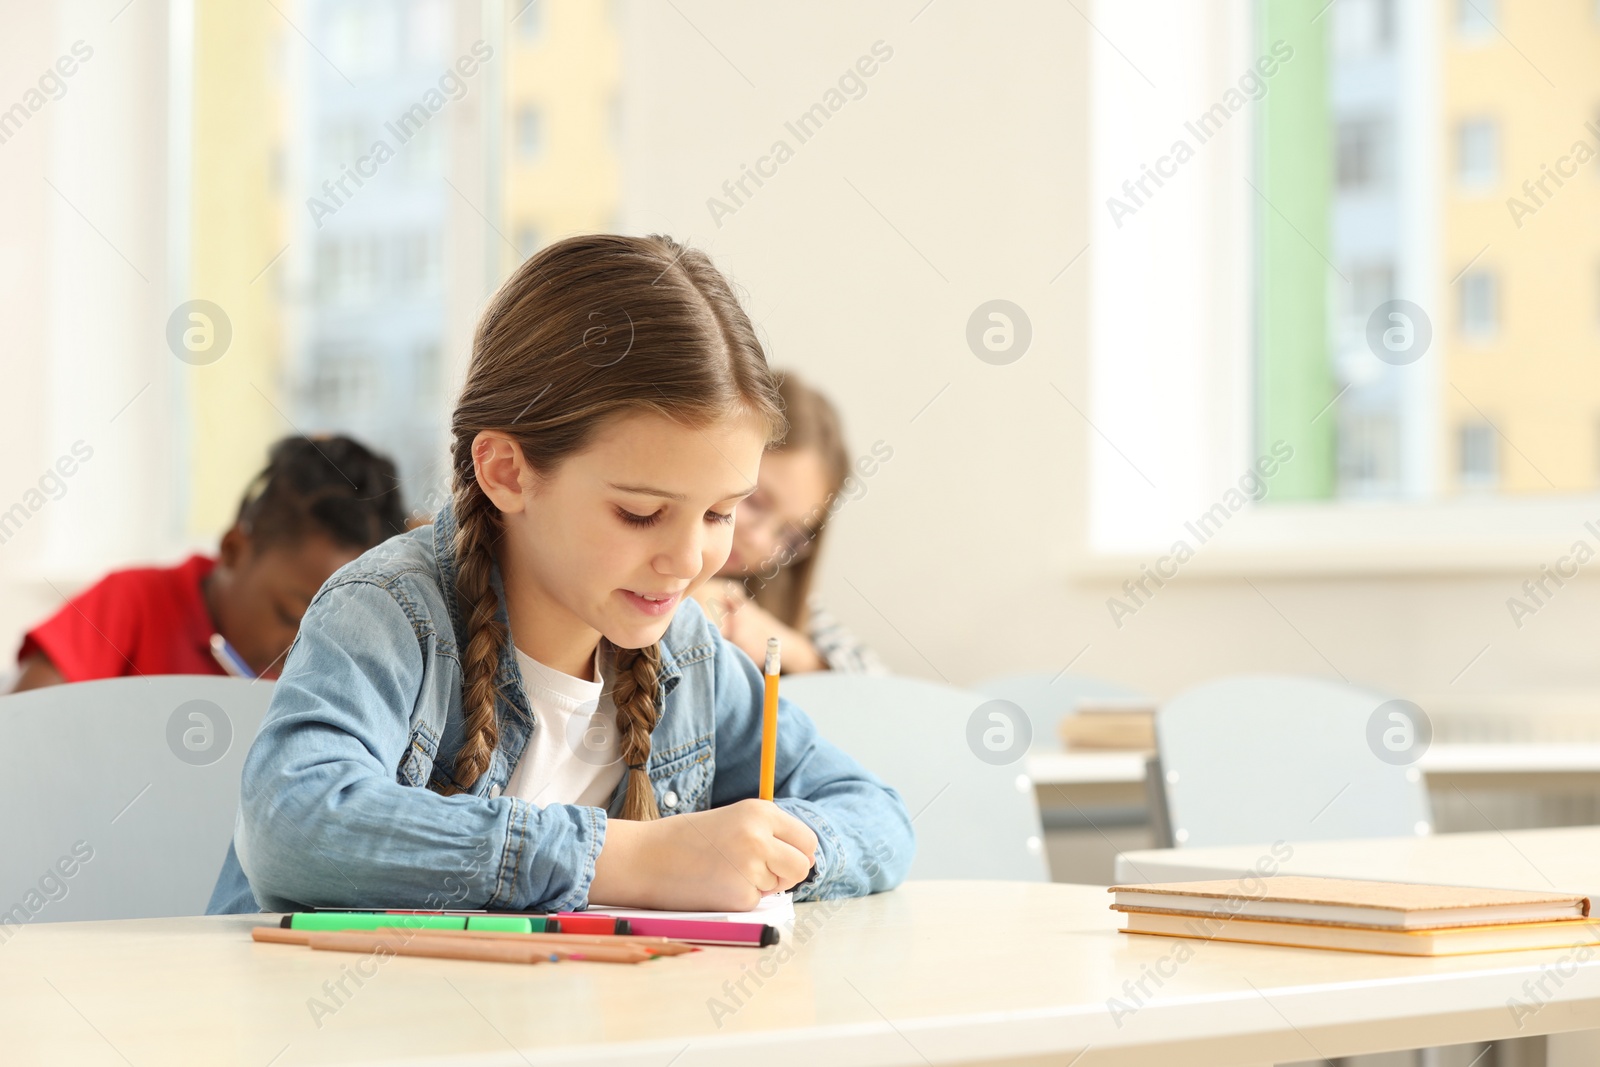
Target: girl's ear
[(235, 547), (502, 472)]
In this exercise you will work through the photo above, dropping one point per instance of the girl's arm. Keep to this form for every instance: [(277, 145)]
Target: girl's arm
[(323, 819), (864, 838)]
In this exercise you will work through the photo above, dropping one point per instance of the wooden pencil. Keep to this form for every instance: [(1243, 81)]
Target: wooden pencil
[(550, 944), (448, 944), (656, 946)]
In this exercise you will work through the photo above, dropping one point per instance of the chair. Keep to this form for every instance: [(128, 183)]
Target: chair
[(974, 817), (1257, 759), (120, 795), (1050, 696)]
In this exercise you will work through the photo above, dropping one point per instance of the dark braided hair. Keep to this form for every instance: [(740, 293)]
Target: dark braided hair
[(333, 486)]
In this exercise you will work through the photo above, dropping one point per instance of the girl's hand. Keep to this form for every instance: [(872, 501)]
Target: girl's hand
[(724, 859), (748, 626)]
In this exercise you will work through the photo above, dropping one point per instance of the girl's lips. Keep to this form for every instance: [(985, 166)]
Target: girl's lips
[(651, 606)]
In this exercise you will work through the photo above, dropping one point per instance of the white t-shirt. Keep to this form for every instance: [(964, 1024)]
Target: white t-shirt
[(572, 756)]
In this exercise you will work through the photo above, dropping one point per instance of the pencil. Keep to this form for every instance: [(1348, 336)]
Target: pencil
[(560, 945), (451, 944), (769, 723), (656, 946), (415, 945)]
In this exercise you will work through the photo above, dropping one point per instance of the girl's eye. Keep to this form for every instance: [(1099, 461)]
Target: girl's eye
[(719, 518), (639, 520)]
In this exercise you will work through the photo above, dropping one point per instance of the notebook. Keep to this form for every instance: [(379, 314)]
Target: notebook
[(1349, 902), (1453, 941), (775, 909)]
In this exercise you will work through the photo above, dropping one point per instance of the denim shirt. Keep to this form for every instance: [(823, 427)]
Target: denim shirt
[(336, 808)]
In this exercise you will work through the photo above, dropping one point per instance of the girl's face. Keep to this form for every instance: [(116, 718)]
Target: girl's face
[(614, 539), (783, 514)]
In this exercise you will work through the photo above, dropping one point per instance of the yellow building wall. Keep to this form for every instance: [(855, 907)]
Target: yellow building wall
[(1538, 380), (236, 230), (570, 72)]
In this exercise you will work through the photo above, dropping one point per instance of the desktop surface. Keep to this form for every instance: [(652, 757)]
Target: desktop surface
[(934, 972)]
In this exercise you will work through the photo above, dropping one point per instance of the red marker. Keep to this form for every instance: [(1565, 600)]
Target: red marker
[(693, 931), (582, 922)]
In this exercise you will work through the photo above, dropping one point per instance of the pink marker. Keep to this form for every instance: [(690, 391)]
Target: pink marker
[(696, 931)]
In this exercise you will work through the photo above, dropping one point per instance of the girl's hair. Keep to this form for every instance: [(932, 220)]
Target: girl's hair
[(332, 486), (813, 426), (588, 329)]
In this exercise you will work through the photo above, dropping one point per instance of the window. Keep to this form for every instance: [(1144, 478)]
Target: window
[(417, 262), (343, 385), (1363, 27), (1479, 466), (1477, 154), (529, 133), (1369, 454), (527, 241), (1479, 318), (360, 39), (1371, 284), (1476, 18), (1360, 159), (427, 31), (1318, 291), (528, 18), (348, 268), (343, 141)]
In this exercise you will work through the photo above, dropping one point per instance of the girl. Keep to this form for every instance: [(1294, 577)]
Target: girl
[(495, 711), (764, 588), (318, 505)]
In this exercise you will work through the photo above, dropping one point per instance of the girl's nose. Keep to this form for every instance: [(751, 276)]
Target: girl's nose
[(681, 559)]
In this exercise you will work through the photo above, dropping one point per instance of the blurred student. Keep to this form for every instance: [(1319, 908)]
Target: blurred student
[(764, 590), (319, 504)]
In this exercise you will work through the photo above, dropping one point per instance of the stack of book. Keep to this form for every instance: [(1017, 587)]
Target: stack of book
[(1106, 723), (1399, 918)]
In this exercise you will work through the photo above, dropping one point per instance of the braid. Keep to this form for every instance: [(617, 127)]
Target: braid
[(635, 693), (476, 530)]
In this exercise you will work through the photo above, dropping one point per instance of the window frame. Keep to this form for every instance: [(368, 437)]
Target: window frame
[(1171, 404)]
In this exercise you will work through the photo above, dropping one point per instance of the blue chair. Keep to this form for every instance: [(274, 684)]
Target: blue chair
[(975, 816), (120, 795), (1258, 759), (1050, 696)]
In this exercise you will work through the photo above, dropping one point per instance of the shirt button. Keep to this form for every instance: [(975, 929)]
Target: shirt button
[(494, 791), (670, 799)]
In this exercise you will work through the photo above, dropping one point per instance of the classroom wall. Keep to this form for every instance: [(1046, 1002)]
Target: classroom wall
[(959, 177)]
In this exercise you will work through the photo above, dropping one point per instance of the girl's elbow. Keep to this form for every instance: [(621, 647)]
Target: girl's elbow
[(276, 843)]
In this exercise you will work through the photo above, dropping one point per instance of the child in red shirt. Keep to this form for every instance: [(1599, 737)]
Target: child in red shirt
[(319, 504)]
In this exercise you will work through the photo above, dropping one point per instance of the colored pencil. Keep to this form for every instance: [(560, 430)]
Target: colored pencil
[(415, 944)]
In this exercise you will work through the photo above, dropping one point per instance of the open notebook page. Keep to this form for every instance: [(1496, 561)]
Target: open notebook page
[(775, 909)]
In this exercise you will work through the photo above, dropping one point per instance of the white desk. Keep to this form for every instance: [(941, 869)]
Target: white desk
[(1075, 768), (892, 979), (1565, 858)]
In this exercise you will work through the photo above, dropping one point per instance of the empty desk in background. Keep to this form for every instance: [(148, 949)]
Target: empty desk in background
[(890, 979), (1503, 765)]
